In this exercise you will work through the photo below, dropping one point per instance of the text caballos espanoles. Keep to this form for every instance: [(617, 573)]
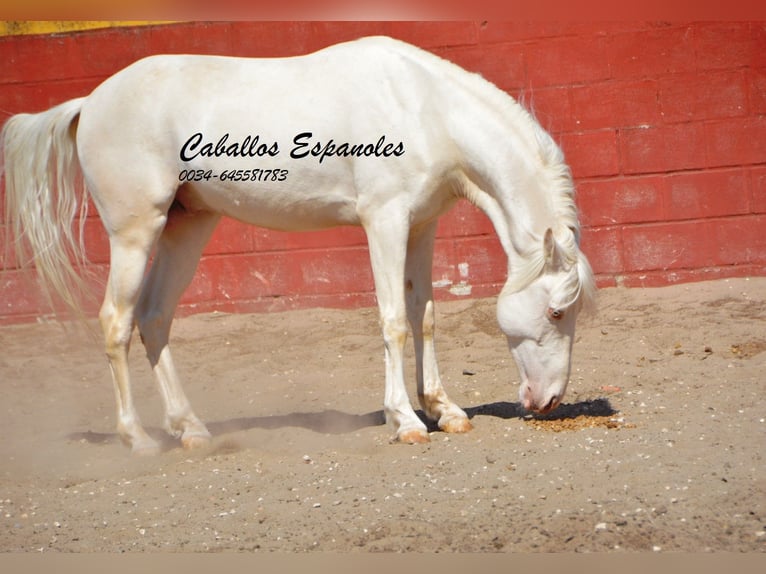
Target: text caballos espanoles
[(303, 147)]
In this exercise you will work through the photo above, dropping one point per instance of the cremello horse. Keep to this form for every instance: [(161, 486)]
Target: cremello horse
[(373, 132)]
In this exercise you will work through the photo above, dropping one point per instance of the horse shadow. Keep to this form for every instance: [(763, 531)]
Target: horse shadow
[(600, 407), (333, 421)]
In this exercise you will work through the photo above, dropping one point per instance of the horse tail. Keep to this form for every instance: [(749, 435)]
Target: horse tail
[(43, 181)]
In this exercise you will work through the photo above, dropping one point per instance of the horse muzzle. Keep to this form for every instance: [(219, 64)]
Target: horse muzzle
[(540, 403)]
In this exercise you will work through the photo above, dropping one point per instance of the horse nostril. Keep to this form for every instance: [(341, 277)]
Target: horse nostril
[(550, 405)]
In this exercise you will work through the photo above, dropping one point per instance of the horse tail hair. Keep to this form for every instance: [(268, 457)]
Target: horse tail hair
[(44, 192)]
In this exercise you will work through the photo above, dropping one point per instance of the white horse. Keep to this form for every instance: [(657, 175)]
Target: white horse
[(373, 132)]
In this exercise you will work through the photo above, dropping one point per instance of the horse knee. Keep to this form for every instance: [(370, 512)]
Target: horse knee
[(394, 333)]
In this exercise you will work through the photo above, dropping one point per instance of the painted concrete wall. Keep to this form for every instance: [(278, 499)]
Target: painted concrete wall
[(662, 124)]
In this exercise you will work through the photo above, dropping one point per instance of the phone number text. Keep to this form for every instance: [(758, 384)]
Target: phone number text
[(233, 175)]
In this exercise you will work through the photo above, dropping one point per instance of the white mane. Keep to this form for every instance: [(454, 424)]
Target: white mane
[(579, 286)]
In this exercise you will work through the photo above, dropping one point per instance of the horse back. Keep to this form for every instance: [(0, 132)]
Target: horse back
[(372, 94)]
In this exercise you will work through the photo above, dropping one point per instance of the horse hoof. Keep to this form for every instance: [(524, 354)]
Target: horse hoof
[(414, 436), (456, 425), (195, 442)]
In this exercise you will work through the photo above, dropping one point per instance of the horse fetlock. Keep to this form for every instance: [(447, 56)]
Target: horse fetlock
[(192, 432), (450, 417), (438, 405), (138, 441)]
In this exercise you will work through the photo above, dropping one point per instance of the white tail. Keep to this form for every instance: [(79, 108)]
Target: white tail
[(41, 172)]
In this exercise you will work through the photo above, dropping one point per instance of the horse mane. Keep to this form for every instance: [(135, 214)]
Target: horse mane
[(579, 287)]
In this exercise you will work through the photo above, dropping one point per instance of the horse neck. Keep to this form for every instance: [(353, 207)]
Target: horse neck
[(506, 176)]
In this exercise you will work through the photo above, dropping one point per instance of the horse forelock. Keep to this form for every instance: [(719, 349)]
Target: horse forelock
[(577, 288)]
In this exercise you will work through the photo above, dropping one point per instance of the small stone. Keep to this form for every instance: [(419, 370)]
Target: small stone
[(601, 526)]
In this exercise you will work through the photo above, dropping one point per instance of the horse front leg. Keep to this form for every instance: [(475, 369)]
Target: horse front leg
[(387, 241), (420, 311)]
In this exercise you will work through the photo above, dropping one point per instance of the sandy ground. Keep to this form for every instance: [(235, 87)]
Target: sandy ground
[(658, 446)]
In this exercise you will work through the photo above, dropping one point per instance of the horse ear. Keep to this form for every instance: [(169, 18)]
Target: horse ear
[(550, 250)]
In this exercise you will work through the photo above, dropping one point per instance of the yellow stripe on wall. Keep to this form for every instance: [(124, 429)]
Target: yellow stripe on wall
[(22, 27)]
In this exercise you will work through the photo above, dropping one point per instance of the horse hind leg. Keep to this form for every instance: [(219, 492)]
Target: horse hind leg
[(420, 311), (129, 257), (178, 251)]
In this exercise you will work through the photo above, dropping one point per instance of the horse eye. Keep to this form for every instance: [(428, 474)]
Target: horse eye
[(555, 314)]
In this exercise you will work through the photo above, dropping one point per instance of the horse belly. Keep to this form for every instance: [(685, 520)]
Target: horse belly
[(273, 206)]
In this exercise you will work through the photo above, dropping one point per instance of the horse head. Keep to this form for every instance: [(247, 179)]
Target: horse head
[(537, 310)]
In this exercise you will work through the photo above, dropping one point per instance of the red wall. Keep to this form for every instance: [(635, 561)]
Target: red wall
[(663, 125)]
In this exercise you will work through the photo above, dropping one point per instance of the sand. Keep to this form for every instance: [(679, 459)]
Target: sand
[(658, 446)]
